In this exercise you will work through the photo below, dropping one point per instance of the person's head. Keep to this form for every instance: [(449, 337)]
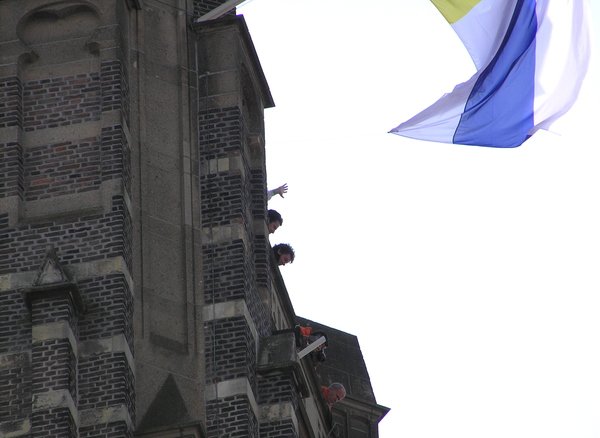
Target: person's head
[(284, 253), (335, 393), (275, 220)]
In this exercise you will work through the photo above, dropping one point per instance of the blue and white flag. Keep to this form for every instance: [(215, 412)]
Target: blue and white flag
[(531, 58)]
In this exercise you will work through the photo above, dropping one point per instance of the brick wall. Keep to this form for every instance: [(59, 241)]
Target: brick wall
[(11, 170), (54, 366), (15, 323), (230, 270), (279, 390), (115, 429), (15, 388), (231, 351), (61, 101), (69, 370), (109, 308), (231, 417), (115, 88), (278, 429), (87, 238), (106, 380), (57, 423), (66, 136), (62, 168), (11, 95)]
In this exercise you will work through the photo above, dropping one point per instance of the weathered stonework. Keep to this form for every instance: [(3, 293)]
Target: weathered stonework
[(139, 295)]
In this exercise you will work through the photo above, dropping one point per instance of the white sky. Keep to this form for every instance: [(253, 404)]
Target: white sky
[(469, 275)]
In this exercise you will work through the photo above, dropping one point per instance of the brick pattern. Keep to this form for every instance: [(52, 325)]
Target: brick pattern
[(15, 391), (71, 166), (226, 277), (277, 389), (55, 423), (57, 309), (230, 351), (231, 417), (227, 198), (108, 430), (87, 238), (234, 269), (262, 257), (106, 380), (36, 172), (62, 101), (109, 308), (230, 267), (278, 429), (262, 270), (115, 88), (15, 323), (11, 170), (113, 145), (53, 366), (224, 195), (221, 194), (273, 390), (11, 95), (241, 266), (126, 160), (62, 168), (262, 246), (127, 241), (220, 132)]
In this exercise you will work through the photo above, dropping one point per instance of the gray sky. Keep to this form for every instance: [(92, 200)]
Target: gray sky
[(469, 275)]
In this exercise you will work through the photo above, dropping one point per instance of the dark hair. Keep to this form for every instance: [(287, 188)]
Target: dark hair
[(284, 248), (274, 216)]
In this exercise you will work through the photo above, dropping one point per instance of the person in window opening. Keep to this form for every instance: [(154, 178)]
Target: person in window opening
[(284, 253), (334, 393), (278, 191), (304, 337), (275, 220)]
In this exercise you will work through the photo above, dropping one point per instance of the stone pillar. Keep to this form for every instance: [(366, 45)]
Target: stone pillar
[(55, 305), (230, 122)]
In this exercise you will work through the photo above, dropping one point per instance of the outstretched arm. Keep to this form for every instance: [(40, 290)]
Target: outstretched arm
[(278, 191)]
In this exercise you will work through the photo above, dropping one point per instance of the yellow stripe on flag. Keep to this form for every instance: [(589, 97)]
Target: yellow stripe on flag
[(454, 10)]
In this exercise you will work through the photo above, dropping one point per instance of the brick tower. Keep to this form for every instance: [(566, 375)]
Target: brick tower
[(138, 291)]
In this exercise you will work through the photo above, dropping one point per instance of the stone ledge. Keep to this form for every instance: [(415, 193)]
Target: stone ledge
[(110, 414), (279, 412), (191, 430), (230, 388), (76, 271), (54, 399), (114, 344), (225, 233), (10, 429), (98, 268), (54, 330), (92, 202), (67, 289), (229, 309), (14, 360)]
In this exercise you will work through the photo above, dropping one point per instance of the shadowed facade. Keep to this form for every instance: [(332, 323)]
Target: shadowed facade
[(138, 291)]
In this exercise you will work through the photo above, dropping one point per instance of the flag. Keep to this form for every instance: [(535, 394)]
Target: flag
[(531, 58)]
